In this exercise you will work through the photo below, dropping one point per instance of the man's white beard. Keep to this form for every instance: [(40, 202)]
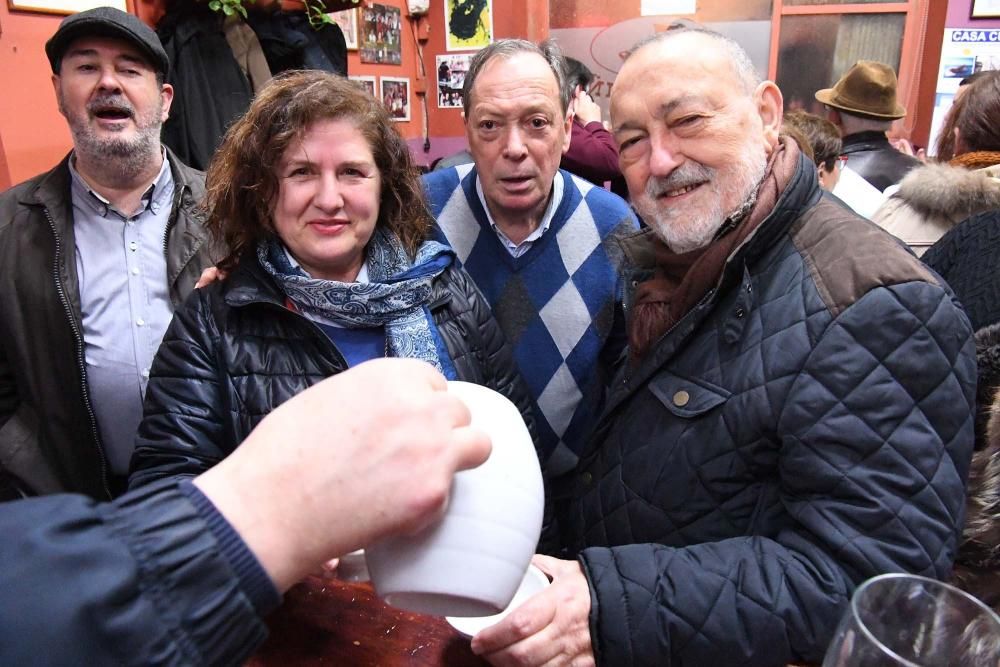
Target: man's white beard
[(684, 229)]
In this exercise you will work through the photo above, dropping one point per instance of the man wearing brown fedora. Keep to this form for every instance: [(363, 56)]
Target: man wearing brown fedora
[(863, 105)]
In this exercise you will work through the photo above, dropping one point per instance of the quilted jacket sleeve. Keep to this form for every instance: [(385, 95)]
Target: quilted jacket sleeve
[(183, 428), (875, 433), (140, 581)]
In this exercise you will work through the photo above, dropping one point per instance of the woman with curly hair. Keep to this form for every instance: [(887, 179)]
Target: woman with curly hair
[(330, 264)]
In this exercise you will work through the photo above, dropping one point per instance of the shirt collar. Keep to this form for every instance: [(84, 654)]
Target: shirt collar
[(550, 210), (155, 196)]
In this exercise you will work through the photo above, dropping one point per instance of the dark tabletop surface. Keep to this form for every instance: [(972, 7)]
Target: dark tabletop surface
[(325, 621)]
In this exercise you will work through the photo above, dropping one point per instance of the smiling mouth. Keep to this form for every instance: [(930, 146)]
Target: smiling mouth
[(677, 192)]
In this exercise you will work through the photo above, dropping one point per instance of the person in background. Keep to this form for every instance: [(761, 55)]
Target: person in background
[(542, 244), (95, 255), (795, 414), (863, 105), (965, 181), (182, 572), (315, 193), (824, 143), (592, 152)]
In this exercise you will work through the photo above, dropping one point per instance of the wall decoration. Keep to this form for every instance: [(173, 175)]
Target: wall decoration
[(982, 9), (366, 82), (964, 51), (347, 19), (451, 77), (469, 24), (380, 35), (63, 6), (396, 96)]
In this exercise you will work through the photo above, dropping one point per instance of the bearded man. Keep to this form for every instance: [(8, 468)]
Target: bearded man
[(795, 414), (94, 256)]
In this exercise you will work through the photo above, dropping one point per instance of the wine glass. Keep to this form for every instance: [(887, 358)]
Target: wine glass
[(903, 619)]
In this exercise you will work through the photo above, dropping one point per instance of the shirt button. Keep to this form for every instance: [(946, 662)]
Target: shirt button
[(132, 245), (681, 398), (140, 322), (135, 270), (145, 373)]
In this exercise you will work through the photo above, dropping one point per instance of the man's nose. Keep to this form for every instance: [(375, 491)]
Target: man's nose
[(109, 79), (513, 146), (664, 157)]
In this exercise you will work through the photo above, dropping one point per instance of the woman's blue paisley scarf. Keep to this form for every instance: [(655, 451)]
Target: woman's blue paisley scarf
[(396, 297)]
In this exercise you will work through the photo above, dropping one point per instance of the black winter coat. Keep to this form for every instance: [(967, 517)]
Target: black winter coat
[(235, 352), (807, 425), (968, 258)]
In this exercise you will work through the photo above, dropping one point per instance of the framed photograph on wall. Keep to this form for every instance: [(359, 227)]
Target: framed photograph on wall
[(63, 6), (366, 82), (451, 71), (347, 19), (395, 94), (985, 9), (381, 35)]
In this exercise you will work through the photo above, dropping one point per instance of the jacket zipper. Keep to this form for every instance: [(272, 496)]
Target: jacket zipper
[(81, 362)]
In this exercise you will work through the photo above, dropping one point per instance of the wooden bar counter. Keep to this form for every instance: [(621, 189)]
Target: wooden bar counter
[(326, 621)]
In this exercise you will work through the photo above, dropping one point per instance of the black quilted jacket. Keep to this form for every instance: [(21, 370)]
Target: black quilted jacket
[(807, 425), (234, 353), (968, 258)]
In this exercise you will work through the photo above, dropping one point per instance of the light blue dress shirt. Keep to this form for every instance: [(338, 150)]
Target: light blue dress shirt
[(121, 263)]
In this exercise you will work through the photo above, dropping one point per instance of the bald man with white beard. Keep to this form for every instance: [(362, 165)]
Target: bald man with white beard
[(795, 414)]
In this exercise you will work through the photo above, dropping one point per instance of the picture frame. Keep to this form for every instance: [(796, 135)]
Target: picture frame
[(367, 82), (451, 70), (63, 6), (347, 19), (468, 24), (985, 9), (381, 35), (394, 91)]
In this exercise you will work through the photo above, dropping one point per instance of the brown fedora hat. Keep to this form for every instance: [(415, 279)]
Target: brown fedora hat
[(867, 89)]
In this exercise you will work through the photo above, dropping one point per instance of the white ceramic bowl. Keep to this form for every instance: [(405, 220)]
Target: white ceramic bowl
[(471, 562), (534, 581)]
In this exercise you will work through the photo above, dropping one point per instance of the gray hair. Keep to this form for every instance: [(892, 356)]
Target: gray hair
[(737, 55), (508, 48)]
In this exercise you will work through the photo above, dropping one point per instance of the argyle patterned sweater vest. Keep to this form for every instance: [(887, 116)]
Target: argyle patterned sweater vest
[(557, 302)]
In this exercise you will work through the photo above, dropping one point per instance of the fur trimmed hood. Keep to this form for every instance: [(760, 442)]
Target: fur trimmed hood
[(941, 190)]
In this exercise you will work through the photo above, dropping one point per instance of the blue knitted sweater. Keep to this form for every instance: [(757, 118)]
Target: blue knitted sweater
[(559, 304)]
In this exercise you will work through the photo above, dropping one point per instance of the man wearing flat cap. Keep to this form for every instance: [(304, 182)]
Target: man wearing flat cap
[(94, 256), (863, 105)]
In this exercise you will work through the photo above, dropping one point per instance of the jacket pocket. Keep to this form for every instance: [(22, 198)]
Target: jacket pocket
[(686, 397)]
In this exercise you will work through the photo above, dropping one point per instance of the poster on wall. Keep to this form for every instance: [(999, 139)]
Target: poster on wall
[(366, 82), (451, 77), (469, 24), (380, 35), (347, 19), (963, 52), (396, 96)]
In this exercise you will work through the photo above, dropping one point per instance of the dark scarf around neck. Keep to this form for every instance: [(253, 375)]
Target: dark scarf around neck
[(679, 281)]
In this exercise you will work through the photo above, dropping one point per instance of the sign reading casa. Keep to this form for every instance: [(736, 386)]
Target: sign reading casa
[(975, 36)]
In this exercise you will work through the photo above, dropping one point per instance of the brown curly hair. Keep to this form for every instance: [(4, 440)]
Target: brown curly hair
[(242, 182)]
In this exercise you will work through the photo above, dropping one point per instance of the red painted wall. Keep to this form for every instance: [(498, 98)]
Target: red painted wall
[(33, 135)]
